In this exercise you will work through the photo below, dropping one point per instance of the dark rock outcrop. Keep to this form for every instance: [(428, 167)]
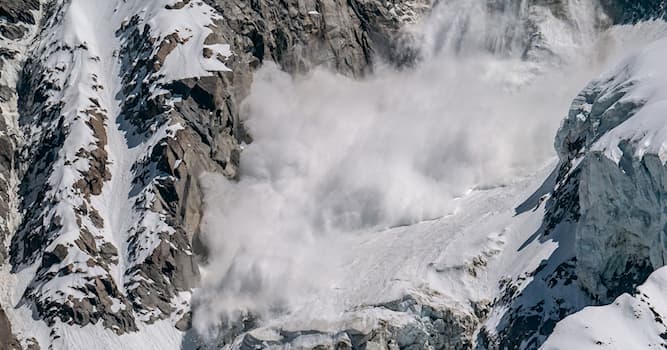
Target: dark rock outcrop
[(7, 340), (346, 36), (605, 209), (632, 11)]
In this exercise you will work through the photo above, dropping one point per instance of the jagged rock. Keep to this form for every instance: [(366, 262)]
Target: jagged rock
[(12, 31), (204, 112), (605, 208), (190, 126), (298, 35), (185, 322), (209, 109)]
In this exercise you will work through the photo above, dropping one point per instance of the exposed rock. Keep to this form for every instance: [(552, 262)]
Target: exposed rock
[(93, 179), (617, 242), (177, 6), (16, 11), (209, 111), (17, 17), (605, 212), (7, 339), (185, 322), (346, 36), (192, 125), (13, 31)]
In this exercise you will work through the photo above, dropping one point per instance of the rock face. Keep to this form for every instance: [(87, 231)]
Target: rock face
[(346, 36), (611, 180), (618, 242), (16, 30), (14, 34), (612, 146)]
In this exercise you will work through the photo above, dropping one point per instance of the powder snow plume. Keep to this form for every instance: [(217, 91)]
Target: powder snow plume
[(334, 157)]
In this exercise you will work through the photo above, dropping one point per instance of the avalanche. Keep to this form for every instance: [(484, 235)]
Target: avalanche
[(414, 208), (418, 185)]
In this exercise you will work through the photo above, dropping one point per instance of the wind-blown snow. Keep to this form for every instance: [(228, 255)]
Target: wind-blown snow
[(336, 163), (646, 130), (333, 280)]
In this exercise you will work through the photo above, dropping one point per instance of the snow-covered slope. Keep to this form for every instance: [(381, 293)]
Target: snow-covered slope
[(113, 110), (388, 181), (632, 141), (630, 322), (91, 232)]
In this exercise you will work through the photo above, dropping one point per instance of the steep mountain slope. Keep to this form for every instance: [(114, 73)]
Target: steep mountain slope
[(17, 28), (618, 142), (630, 322), (600, 210), (144, 206), (109, 124), (572, 258)]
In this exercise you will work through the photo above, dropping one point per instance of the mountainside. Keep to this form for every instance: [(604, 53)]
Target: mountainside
[(330, 174), (624, 134), (111, 118)]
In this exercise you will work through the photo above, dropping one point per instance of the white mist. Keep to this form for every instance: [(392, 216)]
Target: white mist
[(334, 157)]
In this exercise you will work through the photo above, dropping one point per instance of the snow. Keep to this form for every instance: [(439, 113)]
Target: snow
[(177, 163), (644, 73), (191, 22), (93, 24), (158, 336), (79, 50), (430, 260), (11, 70), (451, 253), (630, 322), (358, 192)]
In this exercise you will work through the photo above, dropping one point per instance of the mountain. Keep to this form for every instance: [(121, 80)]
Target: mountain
[(329, 174)]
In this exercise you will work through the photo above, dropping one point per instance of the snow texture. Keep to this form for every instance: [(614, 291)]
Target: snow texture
[(78, 52)]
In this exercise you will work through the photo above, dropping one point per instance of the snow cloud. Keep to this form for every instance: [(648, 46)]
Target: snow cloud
[(334, 156)]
